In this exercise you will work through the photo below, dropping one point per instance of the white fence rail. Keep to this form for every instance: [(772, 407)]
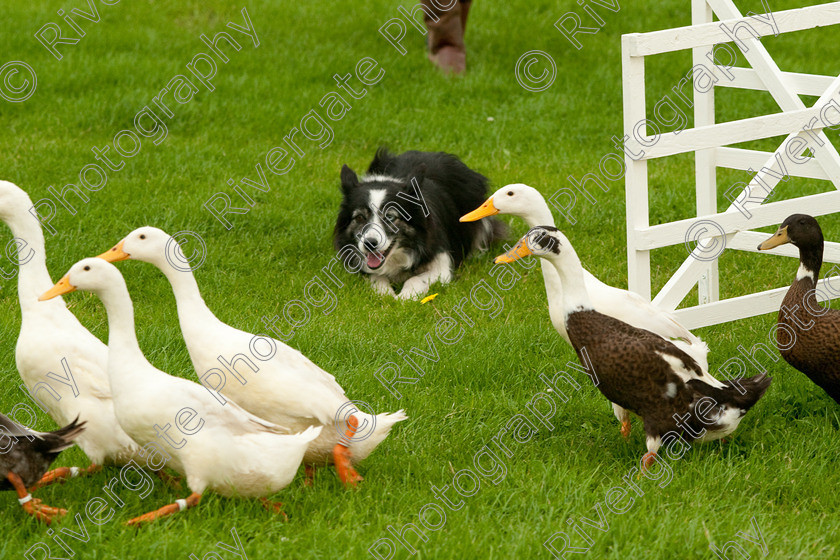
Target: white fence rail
[(803, 127)]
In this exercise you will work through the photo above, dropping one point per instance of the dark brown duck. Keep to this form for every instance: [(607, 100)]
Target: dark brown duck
[(808, 334), (641, 371), (25, 455)]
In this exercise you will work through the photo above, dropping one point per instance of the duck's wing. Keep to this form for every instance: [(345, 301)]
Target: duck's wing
[(229, 417), (287, 358), (638, 362), (819, 355), (260, 424), (298, 361), (635, 310)]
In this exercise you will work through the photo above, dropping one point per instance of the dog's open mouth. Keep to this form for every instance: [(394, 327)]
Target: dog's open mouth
[(377, 259)]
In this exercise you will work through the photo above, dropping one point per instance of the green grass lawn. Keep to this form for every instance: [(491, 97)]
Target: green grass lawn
[(779, 467)]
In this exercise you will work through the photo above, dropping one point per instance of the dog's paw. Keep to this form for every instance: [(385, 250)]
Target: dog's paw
[(382, 287), (408, 295), (413, 289)]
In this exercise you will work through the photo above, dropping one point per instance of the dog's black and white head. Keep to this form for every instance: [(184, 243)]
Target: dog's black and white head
[(380, 215), (399, 223)]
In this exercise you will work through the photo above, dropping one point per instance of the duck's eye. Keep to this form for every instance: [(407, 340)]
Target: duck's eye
[(510, 193), (142, 236), (87, 267)]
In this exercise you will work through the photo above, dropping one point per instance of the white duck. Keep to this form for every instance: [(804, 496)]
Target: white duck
[(223, 448), (50, 337), (526, 202), (636, 368), (287, 388)]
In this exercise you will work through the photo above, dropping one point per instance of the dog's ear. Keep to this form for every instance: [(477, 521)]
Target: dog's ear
[(381, 160), (349, 180)]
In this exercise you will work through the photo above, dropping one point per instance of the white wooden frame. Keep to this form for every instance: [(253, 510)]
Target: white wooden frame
[(708, 140)]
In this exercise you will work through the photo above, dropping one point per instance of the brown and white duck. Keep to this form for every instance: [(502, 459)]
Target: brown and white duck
[(527, 203), (808, 334), (25, 455), (635, 368)]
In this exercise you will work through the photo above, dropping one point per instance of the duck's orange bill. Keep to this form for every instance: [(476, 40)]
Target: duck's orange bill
[(63, 286), (115, 253), (486, 209), (520, 250), (778, 238)]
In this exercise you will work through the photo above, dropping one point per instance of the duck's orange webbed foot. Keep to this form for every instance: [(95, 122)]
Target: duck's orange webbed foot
[(33, 506), (342, 455), (274, 507), (43, 512), (343, 465), (173, 481), (310, 475), (648, 459), (625, 429)]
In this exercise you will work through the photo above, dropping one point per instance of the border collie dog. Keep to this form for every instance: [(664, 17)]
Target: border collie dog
[(400, 220)]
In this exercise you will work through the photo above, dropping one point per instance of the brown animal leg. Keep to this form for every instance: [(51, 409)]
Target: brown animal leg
[(446, 37)]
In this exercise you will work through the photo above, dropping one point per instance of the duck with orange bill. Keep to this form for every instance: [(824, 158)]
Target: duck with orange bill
[(527, 203), (808, 334), (286, 387), (25, 455), (222, 448), (635, 368), (61, 363)]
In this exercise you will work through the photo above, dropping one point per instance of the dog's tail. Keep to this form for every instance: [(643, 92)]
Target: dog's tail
[(499, 231)]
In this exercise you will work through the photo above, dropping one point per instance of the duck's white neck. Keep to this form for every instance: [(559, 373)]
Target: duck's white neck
[(33, 277), (539, 215), (122, 336), (570, 272), (188, 298)]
